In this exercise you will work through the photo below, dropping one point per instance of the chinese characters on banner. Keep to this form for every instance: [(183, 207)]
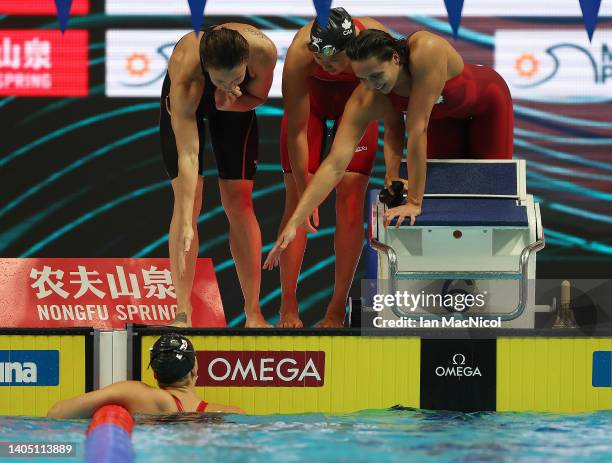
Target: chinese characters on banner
[(43, 63), (49, 281), (102, 293)]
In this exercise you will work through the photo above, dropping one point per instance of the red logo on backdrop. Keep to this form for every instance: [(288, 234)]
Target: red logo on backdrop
[(41, 7), (101, 293), (43, 63), (261, 368)]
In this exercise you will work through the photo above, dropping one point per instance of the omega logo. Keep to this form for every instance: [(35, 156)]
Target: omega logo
[(457, 369)]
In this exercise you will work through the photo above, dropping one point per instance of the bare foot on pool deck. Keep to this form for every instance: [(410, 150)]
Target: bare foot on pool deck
[(289, 321), (330, 322), (180, 321), (334, 317), (289, 314), (257, 321)]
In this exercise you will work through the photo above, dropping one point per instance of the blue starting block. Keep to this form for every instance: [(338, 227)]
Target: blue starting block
[(479, 231)]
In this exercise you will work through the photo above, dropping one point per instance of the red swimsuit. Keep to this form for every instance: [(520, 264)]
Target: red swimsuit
[(473, 117), (179, 405), (328, 95)]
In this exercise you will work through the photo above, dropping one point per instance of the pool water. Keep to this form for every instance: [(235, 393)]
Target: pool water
[(369, 436)]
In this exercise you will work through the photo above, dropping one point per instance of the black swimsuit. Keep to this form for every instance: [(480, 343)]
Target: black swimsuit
[(234, 135)]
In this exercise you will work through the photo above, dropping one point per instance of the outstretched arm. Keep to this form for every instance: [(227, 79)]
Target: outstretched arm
[(128, 394), (183, 102), (428, 68), (359, 110)]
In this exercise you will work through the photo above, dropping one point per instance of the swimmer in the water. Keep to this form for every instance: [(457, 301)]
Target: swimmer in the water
[(175, 368), (317, 82), (453, 110), (220, 74)]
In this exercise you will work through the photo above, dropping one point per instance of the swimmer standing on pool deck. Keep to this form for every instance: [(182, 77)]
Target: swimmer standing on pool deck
[(317, 82), (176, 370), (220, 74), (452, 110)]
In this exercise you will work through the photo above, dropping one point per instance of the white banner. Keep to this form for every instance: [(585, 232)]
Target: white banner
[(560, 64), (137, 60), (544, 8)]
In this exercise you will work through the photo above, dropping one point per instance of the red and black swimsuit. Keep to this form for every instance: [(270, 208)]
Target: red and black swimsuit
[(179, 405)]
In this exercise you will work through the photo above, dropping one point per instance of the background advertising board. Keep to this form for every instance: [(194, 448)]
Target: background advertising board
[(555, 63), (37, 370), (100, 293), (29, 368), (43, 63), (261, 368)]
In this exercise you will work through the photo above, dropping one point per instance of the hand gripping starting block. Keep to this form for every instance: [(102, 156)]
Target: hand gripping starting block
[(479, 232)]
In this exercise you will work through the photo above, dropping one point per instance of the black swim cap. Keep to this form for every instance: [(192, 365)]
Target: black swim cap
[(334, 38), (172, 357)]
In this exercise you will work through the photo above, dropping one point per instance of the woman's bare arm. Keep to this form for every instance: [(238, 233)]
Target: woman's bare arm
[(358, 112), (133, 395), (261, 69)]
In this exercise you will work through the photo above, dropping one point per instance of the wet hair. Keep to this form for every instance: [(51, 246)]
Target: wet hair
[(373, 43), (223, 49), (172, 358)]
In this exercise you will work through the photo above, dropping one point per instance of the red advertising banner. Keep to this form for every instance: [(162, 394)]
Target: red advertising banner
[(41, 7), (44, 63), (261, 368), (101, 293)]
